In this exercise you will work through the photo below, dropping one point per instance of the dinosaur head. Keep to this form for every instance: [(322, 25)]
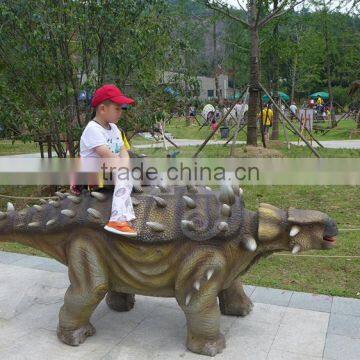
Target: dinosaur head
[(295, 230)]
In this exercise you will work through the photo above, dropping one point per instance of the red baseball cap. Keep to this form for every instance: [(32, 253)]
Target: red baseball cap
[(112, 93)]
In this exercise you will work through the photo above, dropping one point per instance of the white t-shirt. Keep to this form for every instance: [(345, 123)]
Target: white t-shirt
[(95, 135)]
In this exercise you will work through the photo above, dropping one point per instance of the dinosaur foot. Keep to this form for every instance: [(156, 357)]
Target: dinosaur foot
[(206, 346), (77, 336), (120, 301), (237, 308)]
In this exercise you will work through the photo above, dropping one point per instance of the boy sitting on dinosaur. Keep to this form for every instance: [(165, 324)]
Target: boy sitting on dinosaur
[(102, 139)]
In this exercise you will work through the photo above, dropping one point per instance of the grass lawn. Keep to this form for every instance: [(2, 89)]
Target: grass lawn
[(243, 151), (179, 130), (7, 147)]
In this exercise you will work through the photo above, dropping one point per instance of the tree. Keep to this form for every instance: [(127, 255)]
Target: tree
[(51, 52), (257, 18)]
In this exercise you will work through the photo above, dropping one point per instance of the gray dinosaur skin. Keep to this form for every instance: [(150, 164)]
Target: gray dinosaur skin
[(193, 244)]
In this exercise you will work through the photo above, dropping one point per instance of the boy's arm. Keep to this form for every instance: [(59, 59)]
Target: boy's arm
[(118, 160)]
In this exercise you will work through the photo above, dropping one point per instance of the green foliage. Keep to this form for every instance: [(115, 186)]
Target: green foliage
[(341, 95), (50, 51)]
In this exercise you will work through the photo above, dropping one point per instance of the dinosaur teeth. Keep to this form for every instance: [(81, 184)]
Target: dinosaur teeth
[(51, 222), (38, 207), (227, 195), (209, 274), (135, 201), (94, 213), (188, 224), (294, 230), (98, 196), (250, 243), (55, 204), (187, 299), (74, 199), (155, 226), (225, 210), (10, 206), (60, 195), (34, 224), (190, 203), (2, 215), (159, 201), (296, 249), (68, 213), (197, 285), (208, 188), (223, 226)]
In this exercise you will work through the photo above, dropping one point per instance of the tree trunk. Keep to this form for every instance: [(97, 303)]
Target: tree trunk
[(328, 66), (215, 61), (254, 85), (275, 127), (293, 77)]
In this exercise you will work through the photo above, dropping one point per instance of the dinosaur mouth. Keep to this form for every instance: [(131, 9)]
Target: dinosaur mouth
[(330, 240)]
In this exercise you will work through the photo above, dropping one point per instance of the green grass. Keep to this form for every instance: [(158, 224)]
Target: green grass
[(180, 130), (242, 151), (7, 147)]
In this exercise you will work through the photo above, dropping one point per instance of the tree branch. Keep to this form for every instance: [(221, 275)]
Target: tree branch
[(241, 7), (278, 12), (222, 9)]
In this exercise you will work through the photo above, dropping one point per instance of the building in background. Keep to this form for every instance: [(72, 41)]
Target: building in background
[(207, 86)]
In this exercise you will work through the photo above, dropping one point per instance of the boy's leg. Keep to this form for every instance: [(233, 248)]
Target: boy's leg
[(122, 210)]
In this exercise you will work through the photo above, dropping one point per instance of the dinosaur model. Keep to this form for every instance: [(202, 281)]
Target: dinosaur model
[(193, 244)]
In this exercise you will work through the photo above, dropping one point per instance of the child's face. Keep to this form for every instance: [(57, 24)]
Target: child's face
[(110, 112)]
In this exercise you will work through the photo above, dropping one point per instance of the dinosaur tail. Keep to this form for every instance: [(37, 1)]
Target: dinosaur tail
[(19, 227)]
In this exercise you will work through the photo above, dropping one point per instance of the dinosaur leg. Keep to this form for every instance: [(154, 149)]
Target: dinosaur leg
[(234, 301), (88, 287), (196, 291), (203, 327), (120, 301)]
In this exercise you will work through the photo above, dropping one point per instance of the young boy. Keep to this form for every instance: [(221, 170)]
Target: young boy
[(102, 139)]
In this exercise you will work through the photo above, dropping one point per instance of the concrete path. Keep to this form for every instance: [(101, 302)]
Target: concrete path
[(335, 144), (283, 325)]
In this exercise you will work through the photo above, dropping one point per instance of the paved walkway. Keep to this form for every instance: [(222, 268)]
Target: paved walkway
[(283, 325)]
